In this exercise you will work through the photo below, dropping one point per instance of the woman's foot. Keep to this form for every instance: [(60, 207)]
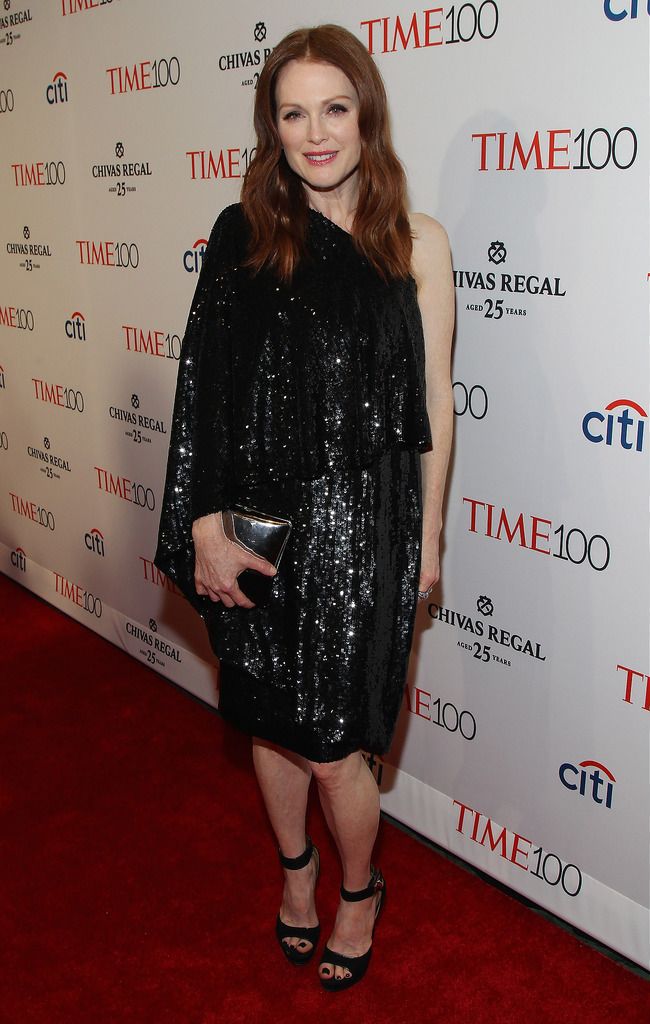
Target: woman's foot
[(298, 906), (352, 934)]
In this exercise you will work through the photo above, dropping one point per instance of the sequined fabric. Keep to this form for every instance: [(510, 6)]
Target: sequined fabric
[(306, 401), (321, 669)]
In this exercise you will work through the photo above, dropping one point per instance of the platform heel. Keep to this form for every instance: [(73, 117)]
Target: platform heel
[(356, 965), (285, 931)]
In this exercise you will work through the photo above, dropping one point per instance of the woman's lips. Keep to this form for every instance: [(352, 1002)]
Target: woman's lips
[(318, 159)]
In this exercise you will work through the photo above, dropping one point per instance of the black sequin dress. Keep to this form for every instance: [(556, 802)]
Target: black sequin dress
[(306, 401)]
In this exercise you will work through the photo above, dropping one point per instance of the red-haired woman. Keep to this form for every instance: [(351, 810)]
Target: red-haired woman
[(314, 384)]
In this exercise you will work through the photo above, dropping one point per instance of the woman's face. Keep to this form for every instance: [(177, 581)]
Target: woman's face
[(317, 120)]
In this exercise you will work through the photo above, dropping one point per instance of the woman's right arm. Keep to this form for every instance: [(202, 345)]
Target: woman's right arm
[(192, 549)]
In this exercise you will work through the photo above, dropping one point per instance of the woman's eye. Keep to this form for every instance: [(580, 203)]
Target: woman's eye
[(334, 108)]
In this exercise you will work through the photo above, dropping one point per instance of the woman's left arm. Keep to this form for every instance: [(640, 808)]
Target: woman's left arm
[(433, 274)]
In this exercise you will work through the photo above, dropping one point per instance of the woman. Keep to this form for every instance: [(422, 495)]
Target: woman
[(302, 392)]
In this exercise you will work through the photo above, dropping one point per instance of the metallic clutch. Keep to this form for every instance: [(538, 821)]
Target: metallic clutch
[(261, 534)]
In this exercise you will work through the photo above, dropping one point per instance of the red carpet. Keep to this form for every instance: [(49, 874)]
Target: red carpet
[(140, 882)]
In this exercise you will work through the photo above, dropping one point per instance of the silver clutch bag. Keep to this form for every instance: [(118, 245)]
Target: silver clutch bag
[(261, 534)]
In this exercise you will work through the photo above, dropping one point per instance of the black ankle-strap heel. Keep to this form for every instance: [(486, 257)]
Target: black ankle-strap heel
[(285, 931), (356, 965)]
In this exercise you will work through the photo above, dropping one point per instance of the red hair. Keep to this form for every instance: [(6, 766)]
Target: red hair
[(273, 196)]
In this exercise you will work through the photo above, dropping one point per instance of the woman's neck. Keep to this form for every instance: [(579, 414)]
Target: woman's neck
[(338, 205)]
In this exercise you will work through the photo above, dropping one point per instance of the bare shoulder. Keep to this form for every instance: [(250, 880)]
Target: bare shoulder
[(427, 228), (430, 243)]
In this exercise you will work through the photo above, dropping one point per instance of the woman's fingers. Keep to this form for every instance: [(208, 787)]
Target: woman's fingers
[(230, 595), (263, 565), (235, 596), (219, 562), (241, 599), (233, 591), (204, 591)]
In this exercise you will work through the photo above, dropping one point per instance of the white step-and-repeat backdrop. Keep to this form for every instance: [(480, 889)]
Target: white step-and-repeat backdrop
[(125, 127)]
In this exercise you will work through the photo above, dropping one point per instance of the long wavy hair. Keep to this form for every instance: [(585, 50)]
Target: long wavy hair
[(273, 196)]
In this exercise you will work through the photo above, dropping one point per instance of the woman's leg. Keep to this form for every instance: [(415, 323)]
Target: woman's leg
[(350, 801), (284, 779)]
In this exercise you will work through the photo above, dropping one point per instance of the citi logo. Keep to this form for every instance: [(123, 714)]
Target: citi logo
[(617, 11), (94, 541), (193, 258), (18, 559), (75, 326), (57, 90), (622, 430), (597, 784)]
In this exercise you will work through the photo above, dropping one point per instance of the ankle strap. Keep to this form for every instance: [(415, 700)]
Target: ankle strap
[(376, 882), (297, 862)]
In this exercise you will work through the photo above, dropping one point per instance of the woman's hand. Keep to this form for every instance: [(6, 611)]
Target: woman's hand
[(218, 562), (430, 560)]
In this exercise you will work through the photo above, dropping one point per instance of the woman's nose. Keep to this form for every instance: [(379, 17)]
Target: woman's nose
[(317, 133)]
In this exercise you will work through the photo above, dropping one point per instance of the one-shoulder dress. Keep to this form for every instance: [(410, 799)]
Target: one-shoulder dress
[(305, 400)]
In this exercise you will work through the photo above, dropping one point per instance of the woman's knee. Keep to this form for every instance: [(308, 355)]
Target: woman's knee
[(333, 773)]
